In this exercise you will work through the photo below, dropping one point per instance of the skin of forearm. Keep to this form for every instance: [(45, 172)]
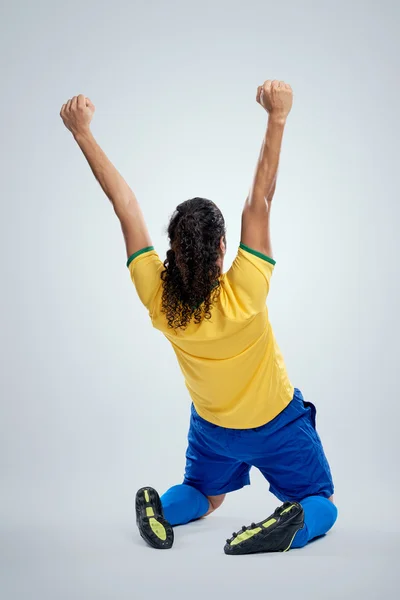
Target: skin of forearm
[(113, 184), (264, 182)]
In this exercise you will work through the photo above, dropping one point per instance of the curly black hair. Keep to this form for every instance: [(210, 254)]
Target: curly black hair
[(191, 275)]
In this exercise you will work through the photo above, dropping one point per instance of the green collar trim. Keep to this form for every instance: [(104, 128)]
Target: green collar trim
[(138, 253), (256, 253)]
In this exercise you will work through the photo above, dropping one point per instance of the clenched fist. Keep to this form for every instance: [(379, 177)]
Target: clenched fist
[(77, 114), (276, 97)]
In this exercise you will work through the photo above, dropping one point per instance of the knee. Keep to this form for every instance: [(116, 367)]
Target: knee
[(214, 502)]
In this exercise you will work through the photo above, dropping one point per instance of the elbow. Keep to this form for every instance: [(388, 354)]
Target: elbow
[(124, 207)]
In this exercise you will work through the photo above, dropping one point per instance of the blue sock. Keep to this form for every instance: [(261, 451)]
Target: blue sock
[(319, 516), (183, 503)]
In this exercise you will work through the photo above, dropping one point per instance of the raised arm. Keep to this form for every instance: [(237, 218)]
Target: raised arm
[(77, 114), (276, 98)]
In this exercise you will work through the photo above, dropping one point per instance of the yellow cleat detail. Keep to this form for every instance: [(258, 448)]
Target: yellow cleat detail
[(287, 509), (268, 523), (158, 529), (245, 535)]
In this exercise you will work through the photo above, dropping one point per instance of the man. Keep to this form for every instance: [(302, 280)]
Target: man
[(245, 411)]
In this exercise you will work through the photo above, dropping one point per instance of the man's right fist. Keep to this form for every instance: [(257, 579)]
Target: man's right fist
[(276, 97), (77, 114)]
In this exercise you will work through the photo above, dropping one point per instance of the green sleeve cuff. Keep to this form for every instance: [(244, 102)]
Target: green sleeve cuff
[(138, 253), (256, 253)]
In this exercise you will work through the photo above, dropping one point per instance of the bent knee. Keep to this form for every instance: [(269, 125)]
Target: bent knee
[(214, 502)]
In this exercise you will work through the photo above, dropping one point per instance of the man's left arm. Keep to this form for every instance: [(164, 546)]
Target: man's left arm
[(77, 114)]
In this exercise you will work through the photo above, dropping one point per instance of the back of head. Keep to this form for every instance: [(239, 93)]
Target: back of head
[(190, 278)]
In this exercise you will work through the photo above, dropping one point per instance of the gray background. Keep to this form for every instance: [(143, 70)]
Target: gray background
[(92, 402)]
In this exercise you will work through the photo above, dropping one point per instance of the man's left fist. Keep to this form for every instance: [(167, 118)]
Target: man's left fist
[(77, 114)]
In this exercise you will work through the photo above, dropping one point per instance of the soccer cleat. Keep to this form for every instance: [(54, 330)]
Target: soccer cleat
[(153, 528), (274, 534)]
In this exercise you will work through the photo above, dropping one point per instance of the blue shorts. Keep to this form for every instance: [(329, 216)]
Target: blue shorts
[(287, 451)]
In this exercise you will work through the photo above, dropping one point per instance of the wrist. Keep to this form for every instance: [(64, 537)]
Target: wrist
[(82, 135), (277, 119)]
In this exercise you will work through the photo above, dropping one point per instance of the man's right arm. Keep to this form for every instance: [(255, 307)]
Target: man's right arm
[(276, 98), (77, 114)]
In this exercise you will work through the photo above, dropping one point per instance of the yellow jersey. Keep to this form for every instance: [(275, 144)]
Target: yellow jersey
[(232, 365)]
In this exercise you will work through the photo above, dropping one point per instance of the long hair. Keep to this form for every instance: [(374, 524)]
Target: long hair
[(190, 279)]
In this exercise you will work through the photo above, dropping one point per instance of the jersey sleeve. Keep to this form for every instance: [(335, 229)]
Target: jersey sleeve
[(249, 278), (145, 269)]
